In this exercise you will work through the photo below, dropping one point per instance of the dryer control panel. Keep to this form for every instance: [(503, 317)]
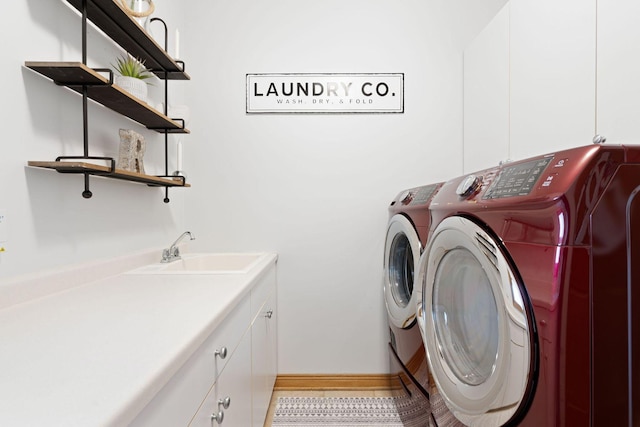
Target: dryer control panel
[(518, 179)]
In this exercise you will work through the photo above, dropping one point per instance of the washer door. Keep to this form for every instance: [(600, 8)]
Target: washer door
[(401, 256), (476, 324)]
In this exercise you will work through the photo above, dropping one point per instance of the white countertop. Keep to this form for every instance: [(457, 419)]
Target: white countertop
[(96, 354)]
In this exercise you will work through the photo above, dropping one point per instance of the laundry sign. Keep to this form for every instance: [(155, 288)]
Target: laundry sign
[(325, 93)]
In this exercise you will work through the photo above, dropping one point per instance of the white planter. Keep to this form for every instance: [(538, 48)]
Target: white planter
[(135, 87)]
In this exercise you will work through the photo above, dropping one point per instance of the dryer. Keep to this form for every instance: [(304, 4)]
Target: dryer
[(527, 288), (407, 229)]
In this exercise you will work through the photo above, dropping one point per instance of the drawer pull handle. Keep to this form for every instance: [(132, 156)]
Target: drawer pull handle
[(222, 352), (269, 314), (225, 403), (219, 417)]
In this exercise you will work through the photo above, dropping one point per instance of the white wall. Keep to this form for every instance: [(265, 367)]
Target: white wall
[(315, 188), (49, 223)]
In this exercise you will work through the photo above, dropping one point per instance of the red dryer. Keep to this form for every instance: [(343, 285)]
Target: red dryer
[(528, 288)]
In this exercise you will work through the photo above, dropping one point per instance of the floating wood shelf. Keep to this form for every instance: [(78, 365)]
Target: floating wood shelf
[(75, 74), (111, 18), (105, 171)]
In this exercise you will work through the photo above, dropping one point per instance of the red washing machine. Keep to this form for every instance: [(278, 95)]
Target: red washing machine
[(527, 291), (409, 222)]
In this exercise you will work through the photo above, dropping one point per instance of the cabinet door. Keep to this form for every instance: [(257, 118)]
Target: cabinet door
[(486, 96), (264, 359), (553, 62), (233, 383), (181, 397), (619, 71)]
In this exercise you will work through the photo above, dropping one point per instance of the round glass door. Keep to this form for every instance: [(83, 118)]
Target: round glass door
[(475, 324), (401, 269), (465, 317), (402, 253)]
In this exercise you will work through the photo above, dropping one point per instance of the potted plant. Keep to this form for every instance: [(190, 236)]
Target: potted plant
[(132, 76)]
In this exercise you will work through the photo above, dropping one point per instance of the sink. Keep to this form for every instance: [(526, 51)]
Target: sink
[(205, 263)]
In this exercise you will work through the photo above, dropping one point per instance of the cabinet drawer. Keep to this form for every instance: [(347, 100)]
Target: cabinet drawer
[(233, 384), (180, 398), (226, 336), (262, 290)]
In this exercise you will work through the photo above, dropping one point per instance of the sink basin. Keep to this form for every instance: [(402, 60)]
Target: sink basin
[(206, 263)]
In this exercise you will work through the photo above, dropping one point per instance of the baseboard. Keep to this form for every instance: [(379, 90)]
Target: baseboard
[(333, 382)]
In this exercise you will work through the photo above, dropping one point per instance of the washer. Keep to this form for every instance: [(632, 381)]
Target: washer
[(526, 291), (408, 226)]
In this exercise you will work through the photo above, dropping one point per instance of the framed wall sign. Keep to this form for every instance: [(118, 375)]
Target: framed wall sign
[(325, 93)]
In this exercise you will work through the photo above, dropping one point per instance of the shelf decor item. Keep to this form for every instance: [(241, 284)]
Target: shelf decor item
[(139, 10), (132, 76), (132, 148)]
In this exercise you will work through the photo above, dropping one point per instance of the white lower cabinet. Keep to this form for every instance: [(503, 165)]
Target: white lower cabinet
[(264, 358), (229, 401), (237, 361), (181, 397)]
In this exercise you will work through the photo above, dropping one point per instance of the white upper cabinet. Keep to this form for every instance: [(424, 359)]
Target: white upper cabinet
[(553, 79), (570, 76), (619, 71), (530, 82), (486, 96)]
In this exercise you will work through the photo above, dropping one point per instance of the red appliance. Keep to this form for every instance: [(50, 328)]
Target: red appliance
[(409, 222), (528, 286)]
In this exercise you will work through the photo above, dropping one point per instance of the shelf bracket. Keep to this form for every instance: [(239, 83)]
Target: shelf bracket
[(111, 160), (87, 192), (166, 109), (182, 179)]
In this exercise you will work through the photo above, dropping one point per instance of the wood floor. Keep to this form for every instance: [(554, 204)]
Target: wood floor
[(321, 393)]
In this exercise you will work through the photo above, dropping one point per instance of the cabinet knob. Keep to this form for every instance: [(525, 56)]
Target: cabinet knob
[(225, 403), (221, 352), (217, 417), (269, 314)]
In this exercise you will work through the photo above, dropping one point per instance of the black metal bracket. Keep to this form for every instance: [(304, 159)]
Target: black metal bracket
[(87, 192), (167, 129), (111, 160), (106, 70), (166, 109), (100, 70), (182, 179)]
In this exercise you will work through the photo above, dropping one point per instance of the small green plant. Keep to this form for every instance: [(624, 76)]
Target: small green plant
[(128, 66)]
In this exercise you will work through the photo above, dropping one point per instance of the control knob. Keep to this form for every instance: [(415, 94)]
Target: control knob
[(468, 185), (406, 197)]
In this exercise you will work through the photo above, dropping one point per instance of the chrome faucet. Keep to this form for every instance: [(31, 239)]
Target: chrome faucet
[(172, 253)]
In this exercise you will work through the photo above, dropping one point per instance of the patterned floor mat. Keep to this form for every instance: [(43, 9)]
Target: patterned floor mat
[(347, 411)]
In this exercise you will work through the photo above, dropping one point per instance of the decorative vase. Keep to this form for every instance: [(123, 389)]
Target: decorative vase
[(139, 10), (135, 87)]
